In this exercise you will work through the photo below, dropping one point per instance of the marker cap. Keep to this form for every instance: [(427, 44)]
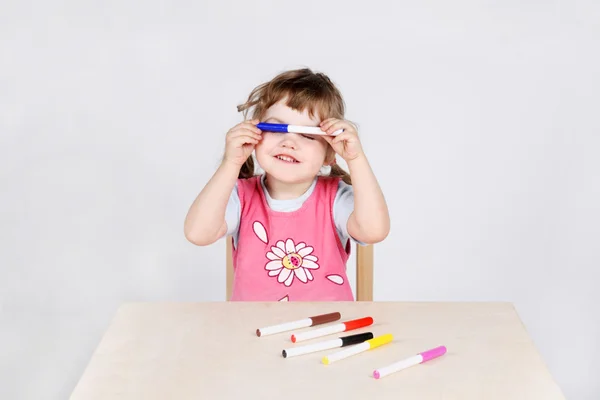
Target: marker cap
[(380, 340), (355, 339)]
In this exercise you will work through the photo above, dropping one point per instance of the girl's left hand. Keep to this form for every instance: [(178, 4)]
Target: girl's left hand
[(346, 144)]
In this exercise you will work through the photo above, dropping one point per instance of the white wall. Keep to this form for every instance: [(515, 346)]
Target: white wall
[(481, 122)]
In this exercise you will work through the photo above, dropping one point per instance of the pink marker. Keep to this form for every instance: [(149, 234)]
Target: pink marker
[(409, 362)]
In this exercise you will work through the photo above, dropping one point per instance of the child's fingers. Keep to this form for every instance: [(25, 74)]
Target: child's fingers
[(249, 121), (342, 137), (243, 131), (253, 136), (246, 125), (238, 140), (250, 127), (242, 140), (336, 126), (329, 139), (327, 123)]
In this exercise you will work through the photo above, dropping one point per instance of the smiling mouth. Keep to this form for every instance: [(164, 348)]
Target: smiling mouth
[(288, 159)]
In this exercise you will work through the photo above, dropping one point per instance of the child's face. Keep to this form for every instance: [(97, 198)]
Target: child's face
[(292, 157)]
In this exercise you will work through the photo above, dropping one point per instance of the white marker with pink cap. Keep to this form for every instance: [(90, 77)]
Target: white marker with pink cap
[(409, 362)]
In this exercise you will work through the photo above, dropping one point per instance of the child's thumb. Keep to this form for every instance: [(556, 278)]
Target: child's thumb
[(328, 139)]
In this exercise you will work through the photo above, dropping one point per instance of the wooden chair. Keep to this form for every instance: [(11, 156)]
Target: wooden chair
[(364, 271)]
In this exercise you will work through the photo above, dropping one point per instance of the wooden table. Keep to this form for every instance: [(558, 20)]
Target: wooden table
[(211, 351)]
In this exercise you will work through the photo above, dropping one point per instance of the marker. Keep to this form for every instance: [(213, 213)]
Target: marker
[(329, 330), (409, 362), (303, 323), (327, 344), (286, 128), (359, 348)]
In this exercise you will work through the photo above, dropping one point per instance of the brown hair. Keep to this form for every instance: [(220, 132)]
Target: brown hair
[(303, 89)]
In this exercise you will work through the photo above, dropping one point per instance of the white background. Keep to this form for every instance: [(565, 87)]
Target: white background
[(480, 120)]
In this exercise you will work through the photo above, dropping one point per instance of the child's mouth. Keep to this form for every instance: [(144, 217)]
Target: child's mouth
[(287, 159)]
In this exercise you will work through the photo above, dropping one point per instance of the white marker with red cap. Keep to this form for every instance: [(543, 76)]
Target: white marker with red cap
[(409, 362), (330, 330)]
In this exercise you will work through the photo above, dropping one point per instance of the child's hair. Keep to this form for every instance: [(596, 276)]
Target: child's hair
[(303, 89)]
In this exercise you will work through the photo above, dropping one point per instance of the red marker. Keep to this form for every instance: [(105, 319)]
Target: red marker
[(329, 330)]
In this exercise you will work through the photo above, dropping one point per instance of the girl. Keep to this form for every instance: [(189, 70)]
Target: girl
[(292, 225)]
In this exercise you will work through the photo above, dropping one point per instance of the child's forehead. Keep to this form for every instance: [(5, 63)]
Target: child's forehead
[(283, 114)]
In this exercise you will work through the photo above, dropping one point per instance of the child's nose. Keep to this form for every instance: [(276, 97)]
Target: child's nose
[(289, 141)]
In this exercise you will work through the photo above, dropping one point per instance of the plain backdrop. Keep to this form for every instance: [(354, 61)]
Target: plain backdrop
[(480, 119)]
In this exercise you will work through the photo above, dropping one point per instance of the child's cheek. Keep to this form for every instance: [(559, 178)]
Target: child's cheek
[(264, 141), (271, 138), (266, 137), (264, 145)]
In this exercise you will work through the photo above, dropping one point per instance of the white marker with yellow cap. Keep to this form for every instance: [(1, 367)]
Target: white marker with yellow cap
[(359, 348)]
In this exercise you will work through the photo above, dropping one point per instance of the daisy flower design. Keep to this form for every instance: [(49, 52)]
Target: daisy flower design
[(289, 260)]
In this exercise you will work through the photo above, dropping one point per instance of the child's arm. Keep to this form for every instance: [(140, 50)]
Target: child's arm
[(205, 221), (370, 220)]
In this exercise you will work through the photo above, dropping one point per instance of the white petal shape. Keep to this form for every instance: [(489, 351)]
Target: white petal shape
[(284, 275), (286, 298), (309, 264), (275, 272), (273, 265), (300, 274), (281, 245), (338, 280), (289, 246), (260, 231), (309, 274), (305, 251), (278, 252), (272, 256), (289, 280), (300, 245), (311, 258)]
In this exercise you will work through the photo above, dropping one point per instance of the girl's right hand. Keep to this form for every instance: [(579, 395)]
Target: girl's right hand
[(241, 140)]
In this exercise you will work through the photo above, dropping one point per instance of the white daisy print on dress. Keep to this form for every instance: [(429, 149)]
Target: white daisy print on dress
[(289, 261)]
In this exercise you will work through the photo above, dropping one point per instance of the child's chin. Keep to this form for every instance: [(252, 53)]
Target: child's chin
[(287, 177)]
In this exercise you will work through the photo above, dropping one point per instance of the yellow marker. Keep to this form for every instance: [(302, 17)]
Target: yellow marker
[(359, 348)]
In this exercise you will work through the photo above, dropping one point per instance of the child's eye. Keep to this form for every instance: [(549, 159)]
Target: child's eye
[(308, 137)]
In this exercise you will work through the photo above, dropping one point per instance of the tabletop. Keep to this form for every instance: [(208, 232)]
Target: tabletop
[(211, 350)]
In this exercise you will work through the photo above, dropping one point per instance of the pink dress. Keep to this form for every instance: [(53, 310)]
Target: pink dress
[(289, 256)]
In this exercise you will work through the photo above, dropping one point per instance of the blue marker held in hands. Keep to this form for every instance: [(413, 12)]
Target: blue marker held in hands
[(286, 128)]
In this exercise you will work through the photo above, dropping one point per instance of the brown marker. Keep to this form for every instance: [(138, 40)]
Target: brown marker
[(303, 323)]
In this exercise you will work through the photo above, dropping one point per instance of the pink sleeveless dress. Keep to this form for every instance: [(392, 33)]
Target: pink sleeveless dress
[(289, 256)]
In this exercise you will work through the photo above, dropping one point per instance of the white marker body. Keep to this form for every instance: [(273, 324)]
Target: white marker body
[(310, 130), (311, 348), (400, 365), (315, 333), (340, 355), (289, 326)]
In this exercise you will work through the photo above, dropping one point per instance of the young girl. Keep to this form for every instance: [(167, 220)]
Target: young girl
[(291, 226)]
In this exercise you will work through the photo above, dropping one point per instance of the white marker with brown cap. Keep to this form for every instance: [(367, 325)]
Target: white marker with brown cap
[(303, 323)]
